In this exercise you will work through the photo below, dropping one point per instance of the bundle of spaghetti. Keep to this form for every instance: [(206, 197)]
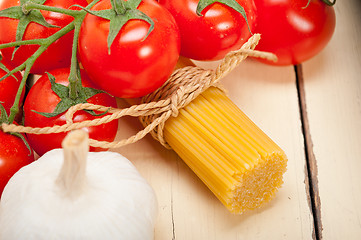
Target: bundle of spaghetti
[(190, 114), (238, 162), (233, 157)]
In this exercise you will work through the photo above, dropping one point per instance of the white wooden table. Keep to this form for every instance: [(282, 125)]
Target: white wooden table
[(313, 111)]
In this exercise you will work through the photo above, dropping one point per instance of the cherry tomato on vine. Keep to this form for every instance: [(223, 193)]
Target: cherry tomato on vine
[(292, 30), (219, 30), (137, 62), (58, 54), (9, 87), (42, 98), (13, 155)]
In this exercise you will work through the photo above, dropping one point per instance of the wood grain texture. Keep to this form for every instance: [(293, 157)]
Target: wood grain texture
[(333, 96)]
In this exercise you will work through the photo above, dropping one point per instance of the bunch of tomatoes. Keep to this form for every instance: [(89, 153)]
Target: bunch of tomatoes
[(95, 51)]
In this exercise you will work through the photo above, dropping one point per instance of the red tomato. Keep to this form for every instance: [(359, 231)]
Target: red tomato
[(9, 87), (294, 32), (13, 155), (135, 66), (58, 55), (210, 37), (42, 99)]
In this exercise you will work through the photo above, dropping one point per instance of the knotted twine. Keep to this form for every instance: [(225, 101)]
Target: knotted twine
[(184, 85)]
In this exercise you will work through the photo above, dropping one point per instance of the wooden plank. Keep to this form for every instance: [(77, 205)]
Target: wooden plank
[(333, 98), (188, 210)]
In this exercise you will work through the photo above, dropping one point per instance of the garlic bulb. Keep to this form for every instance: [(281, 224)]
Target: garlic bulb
[(72, 194)]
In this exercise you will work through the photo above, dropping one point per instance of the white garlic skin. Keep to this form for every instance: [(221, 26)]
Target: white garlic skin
[(117, 202)]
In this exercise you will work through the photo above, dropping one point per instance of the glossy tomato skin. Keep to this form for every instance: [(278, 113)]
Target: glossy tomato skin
[(58, 55), (135, 66), (42, 99), (211, 36), (9, 88), (294, 32), (13, 155)]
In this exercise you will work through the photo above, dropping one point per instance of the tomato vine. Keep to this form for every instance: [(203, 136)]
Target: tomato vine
[(31, 11), (27, 12)]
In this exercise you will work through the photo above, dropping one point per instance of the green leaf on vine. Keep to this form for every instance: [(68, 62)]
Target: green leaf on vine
[(4, 118), (19, 135), (202, 4), (63, 92)]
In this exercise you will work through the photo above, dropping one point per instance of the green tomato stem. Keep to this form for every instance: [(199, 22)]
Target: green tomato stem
[(44, 44), (23, 42), (14, 110), (74, 78), (28, 6), (119, 6)]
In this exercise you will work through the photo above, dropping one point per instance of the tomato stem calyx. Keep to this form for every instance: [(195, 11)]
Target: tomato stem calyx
[(63, 92), (121, 13), (329, 3), (202, 4), (25, 17)]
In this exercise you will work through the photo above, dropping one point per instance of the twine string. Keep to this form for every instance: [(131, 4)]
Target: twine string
[(184, 85)]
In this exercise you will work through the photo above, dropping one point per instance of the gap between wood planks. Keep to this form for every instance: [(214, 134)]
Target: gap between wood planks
[(311, 163)]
